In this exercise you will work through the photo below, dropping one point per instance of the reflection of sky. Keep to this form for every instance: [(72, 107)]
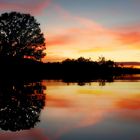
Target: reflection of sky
[(93, 112), (110, 112)]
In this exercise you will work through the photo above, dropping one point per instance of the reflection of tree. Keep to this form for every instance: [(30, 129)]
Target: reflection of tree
[(102, 82), (20, 104)]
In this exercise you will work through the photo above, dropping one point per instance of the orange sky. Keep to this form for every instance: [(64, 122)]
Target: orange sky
[(89, 29), (91, 39)]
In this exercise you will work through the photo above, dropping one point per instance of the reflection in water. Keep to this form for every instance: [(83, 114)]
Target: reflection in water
[(103, 80), (83, 82), (110, 112), (100, 110), (20, 104)]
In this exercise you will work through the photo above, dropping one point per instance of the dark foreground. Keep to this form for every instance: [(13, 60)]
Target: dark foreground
[(80, 69)]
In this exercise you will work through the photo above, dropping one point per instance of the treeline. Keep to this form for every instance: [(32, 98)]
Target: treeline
[(80, 68), (87, 68)]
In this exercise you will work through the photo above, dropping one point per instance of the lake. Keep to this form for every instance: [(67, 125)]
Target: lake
[(58, 110)]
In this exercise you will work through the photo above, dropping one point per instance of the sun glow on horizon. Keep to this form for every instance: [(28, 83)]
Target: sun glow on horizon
[(88, 29), (90, 39)]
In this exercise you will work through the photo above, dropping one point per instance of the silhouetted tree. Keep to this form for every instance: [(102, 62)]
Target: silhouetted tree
[(20, 36), (78, 60), (83, 60), (111, 64), (101, 60)]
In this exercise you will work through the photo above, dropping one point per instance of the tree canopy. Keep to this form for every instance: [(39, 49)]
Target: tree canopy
[(20, 36)]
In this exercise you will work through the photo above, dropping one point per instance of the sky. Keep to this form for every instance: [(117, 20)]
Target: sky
[(85, 28)]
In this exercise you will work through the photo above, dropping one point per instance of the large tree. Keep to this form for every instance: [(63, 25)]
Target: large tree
[(20, 36)]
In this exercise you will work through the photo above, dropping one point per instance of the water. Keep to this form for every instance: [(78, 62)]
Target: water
[(55, 110)]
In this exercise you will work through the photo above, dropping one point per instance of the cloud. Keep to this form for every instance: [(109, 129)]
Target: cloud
[(62, 12), (86, 37), (84, 29), (29, 6), (95, 49), (59, 40), (127, 34), (130, 37), (83, 39)]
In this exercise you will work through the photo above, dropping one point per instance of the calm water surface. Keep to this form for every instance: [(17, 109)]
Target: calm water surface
[(67, 111)]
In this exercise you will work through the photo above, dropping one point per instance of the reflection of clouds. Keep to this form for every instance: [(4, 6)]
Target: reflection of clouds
[(79, 109), (130, 103), (35, 134), (87, 106), (58, 102), (129, 108), (129, 115)]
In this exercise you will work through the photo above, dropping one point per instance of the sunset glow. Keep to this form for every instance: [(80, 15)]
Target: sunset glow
[(85, 28), (90, 105), (70, 69)]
